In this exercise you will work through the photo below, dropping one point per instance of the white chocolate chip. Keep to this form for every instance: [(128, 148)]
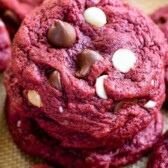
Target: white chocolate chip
[(61, 110), (152, 82), (19, 124), (123, 60), (34, 98), (100, 87), (1, 24), (150, 104), (95, 17)]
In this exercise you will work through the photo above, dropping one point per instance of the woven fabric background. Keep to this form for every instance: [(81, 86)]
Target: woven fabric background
[(11, 156)]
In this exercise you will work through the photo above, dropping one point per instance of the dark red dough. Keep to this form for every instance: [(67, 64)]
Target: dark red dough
[(158, 158), (5, 51), (160, 17), (89, 132), (30, 137), (19, 9)]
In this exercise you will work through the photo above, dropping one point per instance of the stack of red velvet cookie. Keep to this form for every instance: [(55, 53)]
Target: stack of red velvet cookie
[(86, 83)]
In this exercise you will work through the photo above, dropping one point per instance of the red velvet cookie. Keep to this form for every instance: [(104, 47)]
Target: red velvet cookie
[(32, 138), (86, 83), (158, 158), (13, 12), (5, 51), (160, 17)]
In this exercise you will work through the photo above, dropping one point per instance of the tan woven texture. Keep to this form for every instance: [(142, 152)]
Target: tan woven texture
[(11, 156)]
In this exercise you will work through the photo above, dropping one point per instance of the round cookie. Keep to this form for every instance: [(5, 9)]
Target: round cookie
[(160, 17), (86, 83), (13, 13), (158, 158), (5, 51)]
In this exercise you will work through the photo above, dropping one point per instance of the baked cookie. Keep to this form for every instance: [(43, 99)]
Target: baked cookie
[(28, 130), (5, 51), (14, 12), (158, 158), (86, 83), (160, 17)]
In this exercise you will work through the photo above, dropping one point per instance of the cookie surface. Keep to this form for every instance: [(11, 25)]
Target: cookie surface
[(160, 17), (31, 137), (82, 84), (5, 51), (158, 158)]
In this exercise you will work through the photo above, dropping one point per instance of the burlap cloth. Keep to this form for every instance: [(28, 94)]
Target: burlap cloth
[(11, 156)]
